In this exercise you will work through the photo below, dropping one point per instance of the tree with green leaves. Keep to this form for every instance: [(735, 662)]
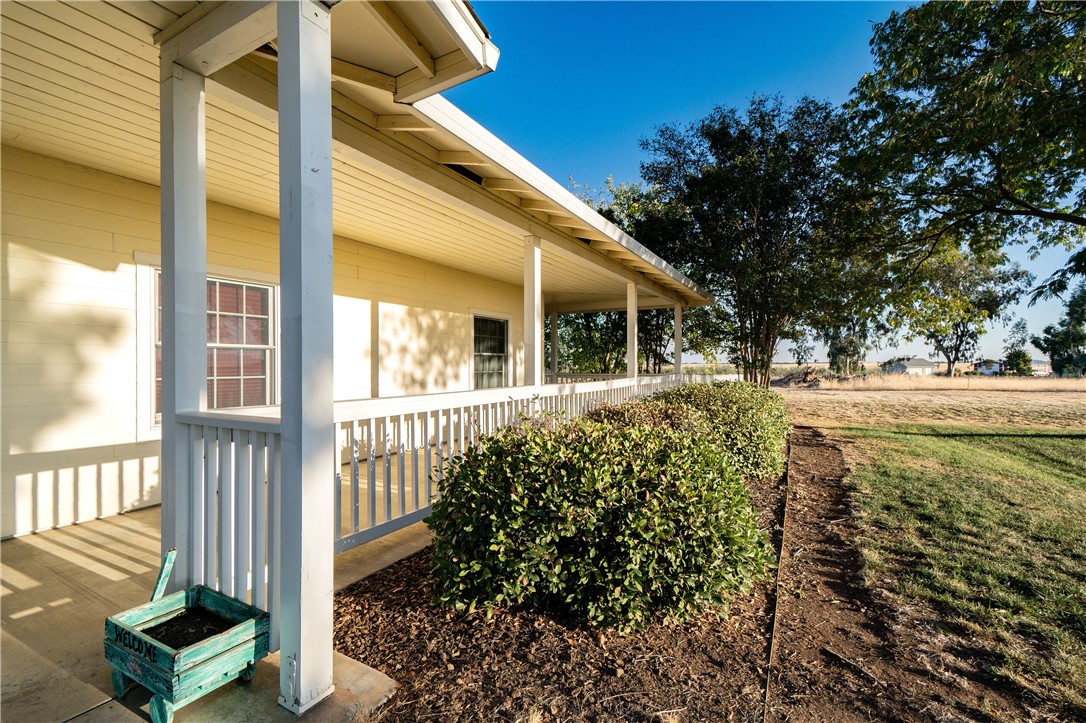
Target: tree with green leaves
[(593, 343), (655, 335), (1065, 342), (752, 207), (803, 351), (643, 215), (853, 319), (846, 351), (1016, 360), (972, 121), (960, 295)]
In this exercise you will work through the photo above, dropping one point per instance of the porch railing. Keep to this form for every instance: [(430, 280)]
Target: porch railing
[(233, 504), (576, 378), (563, 378), (388, 448), (390, 445)]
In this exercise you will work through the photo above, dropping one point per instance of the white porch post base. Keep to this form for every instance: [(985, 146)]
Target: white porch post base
[(308, 444), (678, 339), (631, 330)]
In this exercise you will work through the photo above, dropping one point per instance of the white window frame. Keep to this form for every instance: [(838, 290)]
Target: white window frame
[(507, 373), (148, 423)]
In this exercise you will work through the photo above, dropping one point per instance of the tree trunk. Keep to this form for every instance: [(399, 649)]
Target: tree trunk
[(949, 363)]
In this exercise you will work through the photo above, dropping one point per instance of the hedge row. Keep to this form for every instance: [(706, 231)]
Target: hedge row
[(635, 515), (748, 422)]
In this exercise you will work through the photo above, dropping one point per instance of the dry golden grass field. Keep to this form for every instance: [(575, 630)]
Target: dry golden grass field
[(1050, 403), (906, 382)]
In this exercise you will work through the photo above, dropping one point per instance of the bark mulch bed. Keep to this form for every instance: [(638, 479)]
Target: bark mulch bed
[(839, 652)]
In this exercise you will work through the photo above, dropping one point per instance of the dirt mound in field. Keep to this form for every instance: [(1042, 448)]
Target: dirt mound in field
[(807, 378)]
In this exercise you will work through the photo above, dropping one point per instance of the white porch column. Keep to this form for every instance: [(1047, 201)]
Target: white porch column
[(184, 301), (305, 258), (678, 339), (631, 330), (533, 312), (554, 345)]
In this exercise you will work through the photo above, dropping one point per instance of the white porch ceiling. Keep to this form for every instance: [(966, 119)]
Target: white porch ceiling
[(80, 82)]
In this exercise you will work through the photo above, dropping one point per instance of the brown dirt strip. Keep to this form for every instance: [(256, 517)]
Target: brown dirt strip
[(845, 651)]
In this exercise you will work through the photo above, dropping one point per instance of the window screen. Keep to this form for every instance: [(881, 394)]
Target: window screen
[(490, 352)]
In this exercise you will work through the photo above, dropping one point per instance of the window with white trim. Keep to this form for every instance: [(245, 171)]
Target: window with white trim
[(240, 344), (491, 359)]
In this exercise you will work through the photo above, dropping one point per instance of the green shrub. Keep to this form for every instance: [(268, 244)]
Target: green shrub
[(651, 413), (748, 422), (617, 525)]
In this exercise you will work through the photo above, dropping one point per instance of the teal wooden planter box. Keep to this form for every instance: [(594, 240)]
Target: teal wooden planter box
[(179, 676)]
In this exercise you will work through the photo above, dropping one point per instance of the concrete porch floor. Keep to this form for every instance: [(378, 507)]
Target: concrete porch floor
[(58, 587)]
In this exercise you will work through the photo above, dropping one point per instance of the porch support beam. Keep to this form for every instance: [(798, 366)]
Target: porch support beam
[(305, 263), (611, 303), (678, 339), (631, 330), (184, 301), (554, 345), (533, 311), (219, 37)]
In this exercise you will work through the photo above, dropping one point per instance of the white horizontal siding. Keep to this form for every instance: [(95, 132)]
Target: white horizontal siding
[(70, 394)]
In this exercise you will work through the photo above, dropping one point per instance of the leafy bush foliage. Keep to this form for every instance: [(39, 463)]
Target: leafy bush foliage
[(616, 524), (651, 412), (748, 422)]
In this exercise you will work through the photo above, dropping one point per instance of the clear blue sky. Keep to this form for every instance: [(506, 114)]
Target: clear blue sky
[(579, 83)]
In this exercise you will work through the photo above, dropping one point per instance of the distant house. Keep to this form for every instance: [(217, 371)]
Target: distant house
[(1041, 368), (988, 367), (916, 366)]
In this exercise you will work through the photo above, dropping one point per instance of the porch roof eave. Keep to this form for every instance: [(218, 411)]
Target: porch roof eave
[(602, 235), (447, 45)]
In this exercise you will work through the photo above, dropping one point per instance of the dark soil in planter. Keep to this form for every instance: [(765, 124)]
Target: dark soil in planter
[(189, 627)]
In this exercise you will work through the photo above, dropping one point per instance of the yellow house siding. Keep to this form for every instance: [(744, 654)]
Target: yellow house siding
[(73, 239)]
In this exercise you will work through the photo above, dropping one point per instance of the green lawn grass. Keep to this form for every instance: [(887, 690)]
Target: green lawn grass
[(988, 527)]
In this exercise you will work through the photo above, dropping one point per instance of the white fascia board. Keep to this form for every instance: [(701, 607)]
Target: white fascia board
[(451, 70), (482, 142), (466, 31), (475, 54)]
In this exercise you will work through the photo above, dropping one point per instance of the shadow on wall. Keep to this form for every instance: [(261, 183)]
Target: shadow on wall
[(70, 386), (422, 351), (53, 489)]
